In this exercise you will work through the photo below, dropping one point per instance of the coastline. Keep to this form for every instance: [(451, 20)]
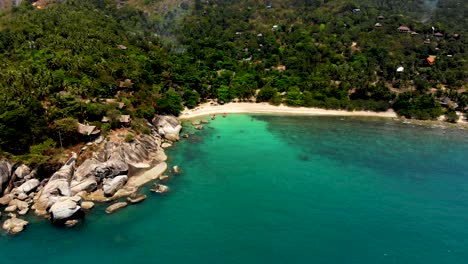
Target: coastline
[(265, 108)]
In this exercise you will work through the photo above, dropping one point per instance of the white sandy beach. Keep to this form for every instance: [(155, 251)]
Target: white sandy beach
[(265, 108)]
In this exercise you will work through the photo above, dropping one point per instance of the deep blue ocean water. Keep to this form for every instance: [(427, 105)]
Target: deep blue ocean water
[(273, 189)]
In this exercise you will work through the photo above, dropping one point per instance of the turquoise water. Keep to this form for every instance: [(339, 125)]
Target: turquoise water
[(272, 189)]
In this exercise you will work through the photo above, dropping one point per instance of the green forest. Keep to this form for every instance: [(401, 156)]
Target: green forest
[(82, 60)]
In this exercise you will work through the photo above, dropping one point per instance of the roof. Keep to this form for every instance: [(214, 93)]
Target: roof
[(105, 119), (378, 24), (122, 47), (124, 119), (431, 59), (87, 130), (403, 28), (438, 34), (400, 69), (280, 67), (127, 83)]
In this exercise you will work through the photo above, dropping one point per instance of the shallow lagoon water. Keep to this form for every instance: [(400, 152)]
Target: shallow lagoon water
[(274, 189)]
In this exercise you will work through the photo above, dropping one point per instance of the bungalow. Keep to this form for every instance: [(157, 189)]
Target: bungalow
[(403, 29), (378, 25), (438, 35), (448, 103), (431, 60), (280, 67), (122, 47), (88, 131), (125, 120), (356, 11), (380, 17), (400, 69), (127, 83)]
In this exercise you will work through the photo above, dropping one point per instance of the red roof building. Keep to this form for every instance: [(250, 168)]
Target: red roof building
[(404, 29), (431, 59)]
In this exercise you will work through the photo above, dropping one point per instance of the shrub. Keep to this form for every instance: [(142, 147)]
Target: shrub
[(129, 137)]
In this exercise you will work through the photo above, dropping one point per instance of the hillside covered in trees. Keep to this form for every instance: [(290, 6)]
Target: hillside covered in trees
[(81, 61)]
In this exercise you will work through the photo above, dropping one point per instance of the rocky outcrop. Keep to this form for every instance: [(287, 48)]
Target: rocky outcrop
[(147, 176), (111, 186), (65, 208), (168, 127), (111, 209), (14, 225), (58, 186)]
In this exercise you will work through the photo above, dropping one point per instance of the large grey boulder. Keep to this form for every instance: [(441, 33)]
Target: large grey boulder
[(28, 186), (168, 127), (22, 171), (65, 208), (57, 186), (111, 186), (5, 173)]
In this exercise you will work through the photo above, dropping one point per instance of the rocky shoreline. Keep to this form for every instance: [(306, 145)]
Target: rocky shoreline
[(70, 193)]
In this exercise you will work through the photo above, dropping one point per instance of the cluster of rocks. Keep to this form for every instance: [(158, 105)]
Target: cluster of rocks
[(106, 176)]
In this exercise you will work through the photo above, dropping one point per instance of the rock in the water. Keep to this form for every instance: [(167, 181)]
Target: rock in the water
[(87, 205), (14, 225), (28, 186), (168, 127), (199, 127), (71, 223), (115, 207), (136, 198), (159, 188), (176, 169), (166, 145), (24, 211), (11, 208), (195, 122), (204, 121), (111, 186), (164, 178), (64, 208), (186, 135), (22, 171)]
